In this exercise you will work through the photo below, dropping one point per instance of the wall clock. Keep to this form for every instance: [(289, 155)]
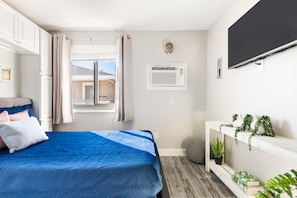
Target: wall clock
[(168, 48)]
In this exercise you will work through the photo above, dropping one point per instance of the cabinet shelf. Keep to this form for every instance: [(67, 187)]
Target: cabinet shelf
[(282, 147), (224, 172), (278, 146)]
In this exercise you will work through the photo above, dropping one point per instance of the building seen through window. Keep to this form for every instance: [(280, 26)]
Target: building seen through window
[(93, 82)]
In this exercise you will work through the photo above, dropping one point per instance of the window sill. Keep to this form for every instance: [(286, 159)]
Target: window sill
[(92, 111)]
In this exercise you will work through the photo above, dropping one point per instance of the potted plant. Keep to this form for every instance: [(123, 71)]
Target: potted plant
[(218, 150), (279, 185), (260, 126)]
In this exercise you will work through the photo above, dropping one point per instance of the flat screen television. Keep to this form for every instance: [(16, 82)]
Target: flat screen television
[(268, 27)]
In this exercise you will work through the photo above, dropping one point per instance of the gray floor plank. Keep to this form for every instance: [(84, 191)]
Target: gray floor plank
[(174, 185), (186, 179)]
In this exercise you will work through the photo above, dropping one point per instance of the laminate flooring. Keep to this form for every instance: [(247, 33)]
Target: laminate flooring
[(186, 179)]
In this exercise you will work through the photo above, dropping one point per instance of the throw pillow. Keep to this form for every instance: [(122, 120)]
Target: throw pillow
[(21, 134), (4, 117), (19, 116)]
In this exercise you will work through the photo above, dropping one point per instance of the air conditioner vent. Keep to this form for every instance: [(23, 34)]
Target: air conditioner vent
[(165, 68), (171, 76)]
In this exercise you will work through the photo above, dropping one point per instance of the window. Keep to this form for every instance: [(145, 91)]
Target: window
[(93, 83), (93, 72)]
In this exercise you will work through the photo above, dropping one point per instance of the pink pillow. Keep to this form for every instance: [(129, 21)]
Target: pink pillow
[(4, 117), (19, 116)]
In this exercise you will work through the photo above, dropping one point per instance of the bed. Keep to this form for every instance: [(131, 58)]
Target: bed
[(103, 164)]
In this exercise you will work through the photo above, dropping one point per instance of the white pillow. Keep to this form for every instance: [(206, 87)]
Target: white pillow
[(4, 117), (22, 134)]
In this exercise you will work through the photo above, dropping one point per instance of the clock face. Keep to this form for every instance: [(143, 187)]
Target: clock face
[(168, 47)]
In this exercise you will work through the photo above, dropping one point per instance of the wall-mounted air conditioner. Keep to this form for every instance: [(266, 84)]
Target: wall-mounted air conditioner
[(167, 76)]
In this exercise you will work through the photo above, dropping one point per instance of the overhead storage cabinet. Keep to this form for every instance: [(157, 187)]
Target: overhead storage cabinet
[(7, 22), (17, 32)]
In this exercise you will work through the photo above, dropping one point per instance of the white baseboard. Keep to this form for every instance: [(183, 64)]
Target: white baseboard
[(172, 152)]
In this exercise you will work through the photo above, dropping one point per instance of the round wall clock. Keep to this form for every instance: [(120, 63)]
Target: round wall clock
[(168, 47)]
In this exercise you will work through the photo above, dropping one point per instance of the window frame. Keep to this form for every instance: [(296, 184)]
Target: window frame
[(96, 106)]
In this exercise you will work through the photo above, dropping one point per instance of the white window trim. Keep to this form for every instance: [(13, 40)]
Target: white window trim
[(97, 50)]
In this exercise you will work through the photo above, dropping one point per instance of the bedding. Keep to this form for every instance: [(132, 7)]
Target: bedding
[(18, 135), (103, 164), (14, 109), (19, 115), (4, 117), (17, 109)]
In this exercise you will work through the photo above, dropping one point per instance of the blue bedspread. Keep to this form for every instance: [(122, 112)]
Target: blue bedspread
[(83, 164)]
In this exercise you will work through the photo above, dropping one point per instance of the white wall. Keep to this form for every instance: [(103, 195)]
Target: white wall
[(152, 109), (245, 90), (10, 60)]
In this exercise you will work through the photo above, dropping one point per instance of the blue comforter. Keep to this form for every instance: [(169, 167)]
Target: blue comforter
[(83, 164)]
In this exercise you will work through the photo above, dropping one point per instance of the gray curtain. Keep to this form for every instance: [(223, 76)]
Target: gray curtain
[(62, 74), (123, 95)]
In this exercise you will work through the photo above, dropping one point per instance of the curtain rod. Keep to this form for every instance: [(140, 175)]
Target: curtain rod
[(90, 38), (95, 38)]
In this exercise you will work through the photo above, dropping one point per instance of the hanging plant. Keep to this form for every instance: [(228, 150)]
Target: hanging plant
[(263, 127), (246, 126), (234, 118), (258, 125)]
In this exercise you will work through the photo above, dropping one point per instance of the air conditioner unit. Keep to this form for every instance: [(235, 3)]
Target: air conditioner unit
[(170, 76)]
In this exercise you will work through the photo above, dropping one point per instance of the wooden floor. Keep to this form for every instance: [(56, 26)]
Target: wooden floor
[(186, 179)]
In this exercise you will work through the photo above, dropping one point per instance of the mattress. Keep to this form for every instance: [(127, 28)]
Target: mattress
[(103, 164)]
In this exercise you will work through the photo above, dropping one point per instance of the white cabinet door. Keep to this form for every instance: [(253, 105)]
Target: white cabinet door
[(18, 32), (7, 22), (45, 103), (46, 124), (28, 34), (46, 53)]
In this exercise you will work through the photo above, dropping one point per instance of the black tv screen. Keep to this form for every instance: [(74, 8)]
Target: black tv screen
[(268, 27)]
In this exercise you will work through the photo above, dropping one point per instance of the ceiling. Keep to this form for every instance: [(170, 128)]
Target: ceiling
[(142, 15)]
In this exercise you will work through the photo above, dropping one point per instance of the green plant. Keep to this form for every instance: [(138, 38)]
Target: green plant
[(282, 183), (246, 126), (265, 122), (234, 117), (217, 148)]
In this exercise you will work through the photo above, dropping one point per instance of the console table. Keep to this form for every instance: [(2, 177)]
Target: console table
[(278, 146)]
